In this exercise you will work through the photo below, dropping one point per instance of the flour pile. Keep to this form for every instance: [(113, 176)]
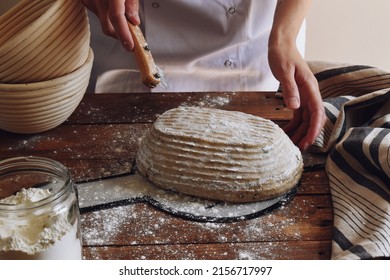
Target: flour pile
[(37, 233)]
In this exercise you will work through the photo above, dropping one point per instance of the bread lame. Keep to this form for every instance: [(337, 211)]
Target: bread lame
[(150, 73)]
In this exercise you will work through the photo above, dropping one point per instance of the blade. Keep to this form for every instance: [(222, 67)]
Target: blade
[(107, 191)]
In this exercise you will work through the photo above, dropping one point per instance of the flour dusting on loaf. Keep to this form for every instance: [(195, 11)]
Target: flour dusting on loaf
[(218, 154)]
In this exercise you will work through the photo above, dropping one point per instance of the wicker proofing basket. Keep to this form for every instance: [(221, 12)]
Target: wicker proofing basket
[(41, 106), (42, 40)]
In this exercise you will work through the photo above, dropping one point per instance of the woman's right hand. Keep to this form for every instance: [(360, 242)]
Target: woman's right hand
[(113, 16)]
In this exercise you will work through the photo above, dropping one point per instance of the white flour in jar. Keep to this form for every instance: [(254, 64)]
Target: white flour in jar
[(43, 236)]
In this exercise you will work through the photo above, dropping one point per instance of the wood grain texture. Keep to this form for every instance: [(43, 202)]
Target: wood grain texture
[(100, 140)]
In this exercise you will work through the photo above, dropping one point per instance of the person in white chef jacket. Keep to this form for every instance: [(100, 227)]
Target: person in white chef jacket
[(212, 45)]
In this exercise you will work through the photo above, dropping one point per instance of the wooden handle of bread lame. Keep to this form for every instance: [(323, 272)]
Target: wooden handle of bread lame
[(150, 73)]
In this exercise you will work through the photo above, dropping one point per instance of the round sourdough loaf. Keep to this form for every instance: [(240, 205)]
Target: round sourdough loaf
[(220, 155)]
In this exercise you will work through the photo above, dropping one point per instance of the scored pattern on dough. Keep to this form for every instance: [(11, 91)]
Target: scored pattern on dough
[(218, 154)]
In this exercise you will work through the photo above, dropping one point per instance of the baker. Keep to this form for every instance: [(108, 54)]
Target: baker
[(213, 45)]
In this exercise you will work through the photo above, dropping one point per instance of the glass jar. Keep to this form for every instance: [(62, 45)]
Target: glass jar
[(39, 214)]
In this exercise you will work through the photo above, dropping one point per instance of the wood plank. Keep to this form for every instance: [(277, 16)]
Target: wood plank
[(314, 182), (304, 218), (308, 250), (77, 142), (89, 151), (145, 107)]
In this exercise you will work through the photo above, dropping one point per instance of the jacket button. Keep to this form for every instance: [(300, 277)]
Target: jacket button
[(155, 5), (228, 63), (232, 10)]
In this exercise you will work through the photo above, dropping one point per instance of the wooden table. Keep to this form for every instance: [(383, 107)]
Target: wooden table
[(100, 140)]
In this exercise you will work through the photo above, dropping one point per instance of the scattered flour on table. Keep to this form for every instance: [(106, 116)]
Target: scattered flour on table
[(137, 225), (105, 224), (209, 101)]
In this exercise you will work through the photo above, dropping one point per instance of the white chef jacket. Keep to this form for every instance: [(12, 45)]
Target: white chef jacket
[(201, 45)]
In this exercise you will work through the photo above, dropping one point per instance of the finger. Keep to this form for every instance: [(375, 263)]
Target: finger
[(106, 25), (294, 123), (99, 8), (290, 90), (116, 11), (298, 134), (317, 114), (313, 108), (317, 120), (132, 11)]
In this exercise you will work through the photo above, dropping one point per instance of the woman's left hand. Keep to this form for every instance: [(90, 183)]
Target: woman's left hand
[(300, 93)]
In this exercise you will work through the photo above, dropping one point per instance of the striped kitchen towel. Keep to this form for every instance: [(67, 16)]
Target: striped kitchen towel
[(357, 137)]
